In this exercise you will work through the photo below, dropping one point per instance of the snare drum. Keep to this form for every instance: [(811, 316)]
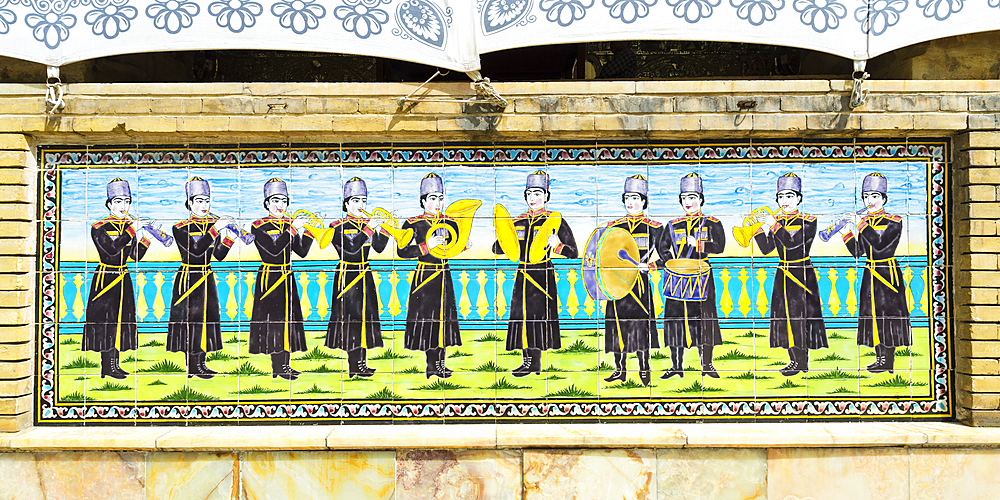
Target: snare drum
[(606, 275), (686, 279)]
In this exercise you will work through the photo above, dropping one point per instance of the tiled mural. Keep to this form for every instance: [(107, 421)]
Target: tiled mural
[(454, 282)]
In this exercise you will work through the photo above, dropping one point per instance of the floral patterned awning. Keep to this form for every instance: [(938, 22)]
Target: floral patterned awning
[(452, 33)]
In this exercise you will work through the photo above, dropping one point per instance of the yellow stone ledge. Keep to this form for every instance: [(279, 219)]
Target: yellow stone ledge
[(486, 436)]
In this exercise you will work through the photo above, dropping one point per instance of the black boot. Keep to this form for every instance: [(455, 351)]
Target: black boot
[(114, 370), (890, 358), (707, 369), (620, 371), (204, 368), (794, 365), (106, 365), (432, 364), (804, 360), (536, 362), (885, 358), (288, 365), (644, 374), (366, 370), (677, 358), (356, 366), (532, 363), (279, 366), (444, 370)]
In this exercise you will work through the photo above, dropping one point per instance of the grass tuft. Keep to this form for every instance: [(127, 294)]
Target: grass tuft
[(489, 366), (789, 385), (837, 336), (750, 334), (603, 367), (658, 355), (132, 359), (832, 357), (76, 397), (439, 385), (153, 343), (70, 341), (578, 347), (489, 337), (157, 382), (257, 389), (112, 386), (570, 392), (899, 352), (247, 369), (413, 370), (504, 385), (219, 356), (897, 382), (459, 354), (553, 369), (696, 387), (81, 362), (163, 366), (317, 354), (836, 374), (388, 354), (593, 334), (232, 340), (628, 384), (555, 377), (737, 355), (321, 369), (188, 394), (749, 375), (315, 389), (778, 363), (843, 390), (383, 394)]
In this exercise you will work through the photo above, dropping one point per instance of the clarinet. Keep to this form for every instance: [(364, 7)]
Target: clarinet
[(828, 233), (232, 226)]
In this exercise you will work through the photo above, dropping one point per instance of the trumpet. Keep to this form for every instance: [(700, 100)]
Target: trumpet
[(157, 233), (391, 225), (751, 224), (314, 226), (828, 233), (232, 226)]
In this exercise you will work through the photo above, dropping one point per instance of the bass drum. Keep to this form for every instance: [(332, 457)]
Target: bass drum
[(606, 275)]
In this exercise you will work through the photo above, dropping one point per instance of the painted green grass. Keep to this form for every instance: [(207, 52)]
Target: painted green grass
[(509, 353), (413, 370), (738, 355), (897, 382), (489, 366), (905, 351), (730, 342), (835, 374), (778, 363), (157, 382), (387, 355), (318, 354), (257, 389), (750, 334), (439, 385), (659, 355), (76, 397), (219, 356), (188, 394), (459, 354), (628, 384), (842, 390), (384, 394), (153, 343), (555, 377), (81, 362), (318, 369), (832, 357), (578, 347), (603, 367), (163, 366), (232, 340), (789, 385), (837, 336), (696, 388), (81, 377), (504, 385), (70, 341), (593, 334), (315, 389), (246, 368), (749, 375), (553, 369), (132, 359), (570, 392), (113, 387), (489, 337)]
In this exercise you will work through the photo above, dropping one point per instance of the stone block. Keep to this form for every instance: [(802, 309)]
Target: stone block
[(433, 474), (123, 106), (17, 211), (279, 106), (897, 103), (378, 106), (101, 124), (315, 474), (306, 123), (728, 122), (235, 105), (14, 142), (470, 123), (778, 122), (978, 349), (519, 123), (17, 264), (886, 121), (17, 387), (567, 123), (984, 210), (978, 193), (15, 159), (701, 104), (16, 352), (984, 103), (814, 104), (837, 473), (15, 423), (985, 313), (764, 104), (175, 105), (622, 123), (254, 124), (580, 473), (977, 366), (14, 405), (980, 418), (203, 124), (17, 246), (15, 370), (980, 157), (697, 473), (833, 121), (984, 383), (80, 105), (954, 102), (15, 298), (17, 281), (979, 331), (983, 244), (978, 140), (360, 123), (641, 104), (675, 123), (940, 121), (150, 124), (16, 316), (984, 121)]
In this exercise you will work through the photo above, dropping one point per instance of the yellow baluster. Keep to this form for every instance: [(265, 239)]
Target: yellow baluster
[(322, 303), (464, 304), (501, 302), (744, 300), (907, 276), (304, 295), (725, 302), (924, 306), (232, 305), (572, 303), (394, 306), (558, 299), (63, 309), (834, 297), (159, 308), (852, 298), (250, 279), (377, 278), (654, 282), (482, 305), (141, 309), (79, 310), (762, 301)]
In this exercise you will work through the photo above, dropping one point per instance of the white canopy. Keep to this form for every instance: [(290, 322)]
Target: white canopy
[(452, 33)]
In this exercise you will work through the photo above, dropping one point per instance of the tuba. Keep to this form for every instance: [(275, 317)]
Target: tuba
[(506, 233), (462, 211), (751, 224), (315, 226), (391, 225)]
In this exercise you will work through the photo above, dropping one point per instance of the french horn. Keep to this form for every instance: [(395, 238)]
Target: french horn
[(751, 224), (462, 211)]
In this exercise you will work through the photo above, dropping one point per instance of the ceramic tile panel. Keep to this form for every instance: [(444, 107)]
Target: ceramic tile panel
[(556, 281)]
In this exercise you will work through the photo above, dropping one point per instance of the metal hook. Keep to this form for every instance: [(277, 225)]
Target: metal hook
[(858, 92), (53, 90)]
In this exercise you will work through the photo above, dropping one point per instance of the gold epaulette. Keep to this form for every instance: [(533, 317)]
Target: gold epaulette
[(259, 222), (810, 218), (651, 222)]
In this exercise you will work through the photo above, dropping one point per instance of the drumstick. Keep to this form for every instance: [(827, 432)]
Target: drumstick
[(622, 254)]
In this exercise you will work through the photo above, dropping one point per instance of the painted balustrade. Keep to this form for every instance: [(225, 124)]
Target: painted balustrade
[(483, 289)]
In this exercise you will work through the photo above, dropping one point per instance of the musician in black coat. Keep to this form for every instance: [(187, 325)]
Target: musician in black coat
[(884, 320), (533, 325), (194, 326), (431, 313), (110, 318), (796, 311), (354, 323), (630, 322), (276, 323), (692, 323)]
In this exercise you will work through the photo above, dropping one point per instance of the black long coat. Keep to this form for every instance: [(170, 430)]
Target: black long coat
[(110, 317), (884, 315), (630, 322), (194, 301), (431, 312), (796, 310), (276, 322), (692, 323), (354, 306), (534, 304)]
